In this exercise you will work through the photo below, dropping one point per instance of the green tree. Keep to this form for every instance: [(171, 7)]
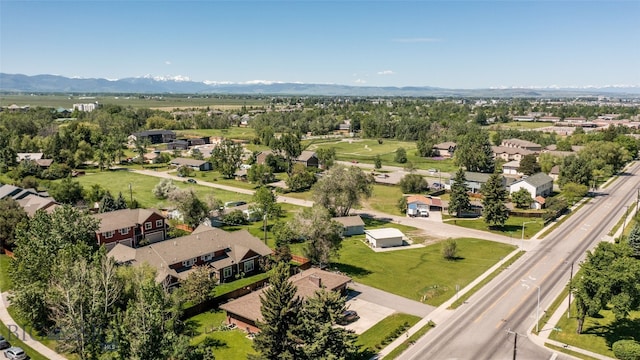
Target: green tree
[(323, 235), (342, 188), (626, 349), (494, 211), (120, 203), (260, 174), (634, 240), (529, 165), (401, 155), (227, 157), (522, 198), (290, 145), (235, 217), (547, 162), (193, 210), (326, 157), (473, 151), (266, 203), (280, 308), (459, 202), (300, 178), (198, 286), (413, 184), (11, 215), (573, 192), (450, 249), (107, 203), (67, 191), (575, 169), (163, 188), (377, 162)]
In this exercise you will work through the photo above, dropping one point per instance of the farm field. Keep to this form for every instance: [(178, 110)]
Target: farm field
[(162, 102), (524, 125), (242, 133)]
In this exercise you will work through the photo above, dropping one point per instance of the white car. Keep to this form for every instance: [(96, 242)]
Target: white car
[(15, 353)]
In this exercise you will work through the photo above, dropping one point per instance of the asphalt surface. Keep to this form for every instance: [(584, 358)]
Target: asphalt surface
[(485, 327)]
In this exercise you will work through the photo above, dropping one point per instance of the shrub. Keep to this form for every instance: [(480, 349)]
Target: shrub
[(626, 349)]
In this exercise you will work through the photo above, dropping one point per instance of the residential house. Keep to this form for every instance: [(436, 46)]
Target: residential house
[(29, 156), (198, 165), (521, 144), (352, 225), (32, 203), (130, 227), (445, 149), (539, 184), (245, 312), (554, 173), (14, 192), (475, 180), (152, 157), (178, 145), (308, 159), (261, 158), (384, 238), (510, 153), (511, 168), (154, 136), (227, 253)]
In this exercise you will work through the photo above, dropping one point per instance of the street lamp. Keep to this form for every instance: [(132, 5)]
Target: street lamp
[(130, 193), (538, 311), (624, 219), (525, 223)]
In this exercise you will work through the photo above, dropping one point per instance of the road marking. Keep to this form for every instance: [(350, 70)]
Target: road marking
[(553, 356), (532, 278), (498, 300)]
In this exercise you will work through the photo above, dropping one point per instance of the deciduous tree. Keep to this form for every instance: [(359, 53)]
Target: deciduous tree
[(522, 198), (529, 165), (11, 215), (473, 151), (413, 184), (227, 157), (342, 188), (323, 235)]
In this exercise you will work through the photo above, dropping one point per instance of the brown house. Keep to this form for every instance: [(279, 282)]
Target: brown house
[(245, 313), (308, 159), (130, 226), (228, 254)]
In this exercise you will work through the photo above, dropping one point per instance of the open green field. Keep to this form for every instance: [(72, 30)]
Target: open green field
[(242, 133), (141, 186), (372, 338), (365, 151), (519, 125), (5, 280), (163, 101), (599, 332), (512, 228), (385, 199), (425, 275)]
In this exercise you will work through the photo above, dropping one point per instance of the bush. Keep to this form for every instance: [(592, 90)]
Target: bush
[(626, 350), (450, 249)]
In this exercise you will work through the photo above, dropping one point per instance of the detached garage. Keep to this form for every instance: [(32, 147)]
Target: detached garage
[(383, 238)]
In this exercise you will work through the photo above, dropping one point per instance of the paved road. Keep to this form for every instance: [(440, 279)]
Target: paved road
[(395, 302), (481, 328)]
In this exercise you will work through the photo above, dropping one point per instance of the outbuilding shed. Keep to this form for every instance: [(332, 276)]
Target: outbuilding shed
[(383, 238)]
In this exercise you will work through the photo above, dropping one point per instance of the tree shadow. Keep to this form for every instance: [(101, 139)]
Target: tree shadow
[(351, 269), (623, 329), (191, 327), (214, 343)]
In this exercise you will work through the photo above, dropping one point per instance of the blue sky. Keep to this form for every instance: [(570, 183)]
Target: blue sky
[(452, 44)]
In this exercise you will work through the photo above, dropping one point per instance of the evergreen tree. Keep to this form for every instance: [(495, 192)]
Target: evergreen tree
[(377, 162), (459, 200), (107, 203), (495, 212), (280, 313), (121, 203), (634, 240)]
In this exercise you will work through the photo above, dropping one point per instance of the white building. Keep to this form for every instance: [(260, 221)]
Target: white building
[(382, 238)]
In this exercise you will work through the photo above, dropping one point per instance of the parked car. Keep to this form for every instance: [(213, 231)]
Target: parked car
[(15, 353), (4, 343), (192, 181), (348, 317)]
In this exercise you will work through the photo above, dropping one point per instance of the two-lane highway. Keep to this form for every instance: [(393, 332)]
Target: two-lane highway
[(484, 327)]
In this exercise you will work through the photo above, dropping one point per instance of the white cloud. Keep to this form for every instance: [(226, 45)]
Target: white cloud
[(360, 81), (417, 40), (386, 72), (167, 62)]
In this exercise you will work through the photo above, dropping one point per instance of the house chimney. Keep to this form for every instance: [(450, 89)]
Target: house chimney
[(316, 280)]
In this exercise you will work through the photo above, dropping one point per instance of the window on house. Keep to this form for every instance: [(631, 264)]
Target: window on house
[(227, 272), (124, 231), (108, 234), (207, 257), (158, 223), (189, 263), (248, 266), (147, 225)]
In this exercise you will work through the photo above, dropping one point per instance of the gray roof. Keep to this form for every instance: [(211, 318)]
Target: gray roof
[(510, 150), (32, 203), (520, 143), (203, 241), (306, 155), (188, 162), (538, 179), (125, 218), (349, 220), (154, 132), (445, 145)]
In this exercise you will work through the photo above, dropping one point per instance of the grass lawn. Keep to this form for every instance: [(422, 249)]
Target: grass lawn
[(512, 228), (365, 150), (411, 340), (385, 199), (599, 333), (5, 280), (141, 186), (373, 338), (243, 133), (570, 352), (228, 345), (426, 276)]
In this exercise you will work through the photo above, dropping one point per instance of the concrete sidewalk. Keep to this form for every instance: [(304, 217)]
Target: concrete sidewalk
[(23, 335)]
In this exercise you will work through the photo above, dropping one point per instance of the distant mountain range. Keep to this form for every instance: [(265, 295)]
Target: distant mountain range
[(148, 85)]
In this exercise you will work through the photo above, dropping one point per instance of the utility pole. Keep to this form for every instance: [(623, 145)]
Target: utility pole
[(130, 193), (515, 342), (570, 288), (538, 312), (265, 228)]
